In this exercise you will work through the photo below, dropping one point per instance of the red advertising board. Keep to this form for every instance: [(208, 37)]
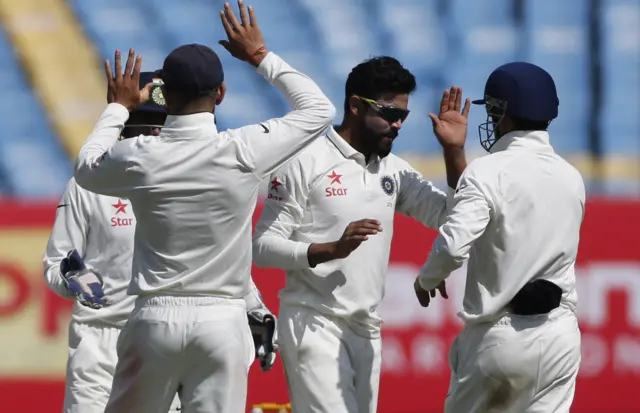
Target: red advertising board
[(416, 340)]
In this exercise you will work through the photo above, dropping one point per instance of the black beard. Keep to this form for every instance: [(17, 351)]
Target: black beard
[(372, 142)]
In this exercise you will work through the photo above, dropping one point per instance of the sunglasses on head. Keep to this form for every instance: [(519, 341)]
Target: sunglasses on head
[(387, 112)]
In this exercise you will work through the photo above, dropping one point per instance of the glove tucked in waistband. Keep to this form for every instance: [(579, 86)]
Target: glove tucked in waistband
[(264, 329)]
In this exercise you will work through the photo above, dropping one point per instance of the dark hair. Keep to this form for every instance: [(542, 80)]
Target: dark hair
[(377, 76), (526, 124)]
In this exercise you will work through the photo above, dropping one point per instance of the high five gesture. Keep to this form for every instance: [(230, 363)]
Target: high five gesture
[(245, 41)]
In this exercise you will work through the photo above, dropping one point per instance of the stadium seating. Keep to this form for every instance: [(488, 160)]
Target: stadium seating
[(413, 34), (32, 163), (443, 42), (557, 39), (483, 36), (619, 122)]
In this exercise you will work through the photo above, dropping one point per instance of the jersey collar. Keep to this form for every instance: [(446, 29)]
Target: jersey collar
[(347, 150), (523, 139), (190, 126)]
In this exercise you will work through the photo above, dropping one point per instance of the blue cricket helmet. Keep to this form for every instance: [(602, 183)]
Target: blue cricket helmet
[(521, 90)]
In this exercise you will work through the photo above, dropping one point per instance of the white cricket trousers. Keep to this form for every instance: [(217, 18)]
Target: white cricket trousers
[(200, 347), (90, 368), (329, 368), (519, 364)]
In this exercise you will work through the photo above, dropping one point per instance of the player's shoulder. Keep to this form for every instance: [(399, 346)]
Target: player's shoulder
[(570, 173), (76, 195), (312, 160), (394, 163), (73, 189), (486, 168)]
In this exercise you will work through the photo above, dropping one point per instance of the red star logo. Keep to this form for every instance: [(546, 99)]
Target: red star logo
[(335, 178), (275, 184), (120, 207)]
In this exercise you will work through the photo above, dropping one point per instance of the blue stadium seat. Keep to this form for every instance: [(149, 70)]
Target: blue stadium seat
[(620, 63), (415, 33), (416, 137), (32, 162), (248, 99), (346, 33), (120, 24), (155, 27), (557, 40), (484, 35)]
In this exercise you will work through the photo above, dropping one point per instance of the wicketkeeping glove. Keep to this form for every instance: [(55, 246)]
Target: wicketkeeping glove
[(264, 329), (86, 284)]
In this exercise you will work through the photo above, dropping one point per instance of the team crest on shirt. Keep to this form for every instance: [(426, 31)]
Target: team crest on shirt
[(388, 185)]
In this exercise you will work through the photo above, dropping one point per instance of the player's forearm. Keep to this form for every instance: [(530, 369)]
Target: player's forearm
[(455, 163), (270, 251), (450, 249), (319, 253), (105, 134), (302, 93), (442, 261)]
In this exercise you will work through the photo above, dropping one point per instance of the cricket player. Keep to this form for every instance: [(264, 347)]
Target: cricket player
[(193, 190), (101, 229), (328, 221), (517, 215)]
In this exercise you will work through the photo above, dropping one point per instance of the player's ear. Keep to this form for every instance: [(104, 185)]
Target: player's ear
[(355, 106), (222, 90)]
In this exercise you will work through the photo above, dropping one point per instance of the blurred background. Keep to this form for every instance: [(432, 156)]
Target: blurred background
[(53, 90)]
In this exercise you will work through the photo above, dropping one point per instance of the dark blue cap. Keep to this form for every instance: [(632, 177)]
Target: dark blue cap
[(193, 69), (156, 102), (528, 89)]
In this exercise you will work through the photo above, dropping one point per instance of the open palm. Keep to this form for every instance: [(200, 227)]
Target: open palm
[(450, 125)]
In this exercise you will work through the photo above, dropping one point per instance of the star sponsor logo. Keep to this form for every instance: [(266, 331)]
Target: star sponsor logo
[(332, 191), (335, 178), (273, 187), (118, 221), (120, 207)]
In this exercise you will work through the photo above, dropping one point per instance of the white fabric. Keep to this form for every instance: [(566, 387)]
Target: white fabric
[(101, 228), (194, 189), (329, 368), (200, 347), (519, 364), (90, 368), (312, 199), (517, 215)]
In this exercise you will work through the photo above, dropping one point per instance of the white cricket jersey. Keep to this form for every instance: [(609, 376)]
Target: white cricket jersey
[(101, 228), (517, 214), (312, 199), (194, 189)]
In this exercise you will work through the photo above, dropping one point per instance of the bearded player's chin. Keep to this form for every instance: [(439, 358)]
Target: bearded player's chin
[(384, 150)]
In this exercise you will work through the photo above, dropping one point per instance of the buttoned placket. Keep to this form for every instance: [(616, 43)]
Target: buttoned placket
[(367, 170)]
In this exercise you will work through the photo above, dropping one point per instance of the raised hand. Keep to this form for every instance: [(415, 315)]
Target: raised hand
[(124, 88), (245, 41), (355, 234), (450, 125)]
